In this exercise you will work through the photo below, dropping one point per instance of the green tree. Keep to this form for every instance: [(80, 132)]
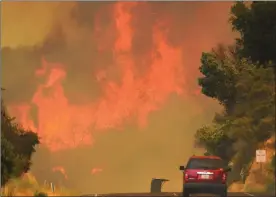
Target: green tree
[(257, 27), (17, 146), (219, 71), (236, 134), (214, 138), (241, 78)]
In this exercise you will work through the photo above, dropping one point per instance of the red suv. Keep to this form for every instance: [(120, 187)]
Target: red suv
[(205, 175)]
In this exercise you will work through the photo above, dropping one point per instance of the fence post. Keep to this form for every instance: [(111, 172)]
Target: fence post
[(52, 187)]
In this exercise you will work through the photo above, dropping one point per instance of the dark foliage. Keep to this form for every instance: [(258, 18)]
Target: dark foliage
[(17, 147), (257, 27), (241, 78)]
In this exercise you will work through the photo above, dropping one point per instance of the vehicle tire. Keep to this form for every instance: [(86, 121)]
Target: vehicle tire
[(223, 193), (186, 193)]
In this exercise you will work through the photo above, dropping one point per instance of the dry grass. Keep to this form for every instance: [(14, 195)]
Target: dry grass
[(258, 178), (28, 186)]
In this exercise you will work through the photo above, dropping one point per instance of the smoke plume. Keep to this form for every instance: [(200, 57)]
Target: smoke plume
[(110, 87)]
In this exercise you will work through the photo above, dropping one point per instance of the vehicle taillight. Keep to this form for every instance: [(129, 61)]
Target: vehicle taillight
[(186, 176), (223, 177)]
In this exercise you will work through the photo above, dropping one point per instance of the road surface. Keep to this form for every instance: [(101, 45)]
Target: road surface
[(172, 194)]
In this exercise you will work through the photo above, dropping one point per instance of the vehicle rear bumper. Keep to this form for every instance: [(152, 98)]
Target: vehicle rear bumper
[(212, 188)]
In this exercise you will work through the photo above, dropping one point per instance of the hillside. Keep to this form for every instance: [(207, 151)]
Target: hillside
[(260, 178)]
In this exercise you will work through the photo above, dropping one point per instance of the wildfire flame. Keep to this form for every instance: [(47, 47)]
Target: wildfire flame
[(62, 125), (61, 170)]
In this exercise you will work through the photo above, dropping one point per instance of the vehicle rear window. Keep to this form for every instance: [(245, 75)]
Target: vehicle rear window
[(205, 163)]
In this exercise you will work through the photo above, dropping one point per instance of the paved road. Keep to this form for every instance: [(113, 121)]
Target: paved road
[(172, 194)]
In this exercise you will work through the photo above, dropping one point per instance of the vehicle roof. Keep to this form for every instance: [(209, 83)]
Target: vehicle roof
[(204, 157)]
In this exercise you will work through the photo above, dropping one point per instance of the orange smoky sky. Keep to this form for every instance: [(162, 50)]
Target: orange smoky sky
[(110, 84)]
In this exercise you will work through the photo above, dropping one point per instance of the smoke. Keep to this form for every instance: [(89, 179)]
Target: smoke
[(111, 88)]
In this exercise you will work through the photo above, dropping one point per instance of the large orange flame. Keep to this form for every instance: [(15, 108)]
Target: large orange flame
[(63, 125)]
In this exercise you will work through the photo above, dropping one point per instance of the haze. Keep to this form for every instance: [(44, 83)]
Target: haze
[(111, 88)]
